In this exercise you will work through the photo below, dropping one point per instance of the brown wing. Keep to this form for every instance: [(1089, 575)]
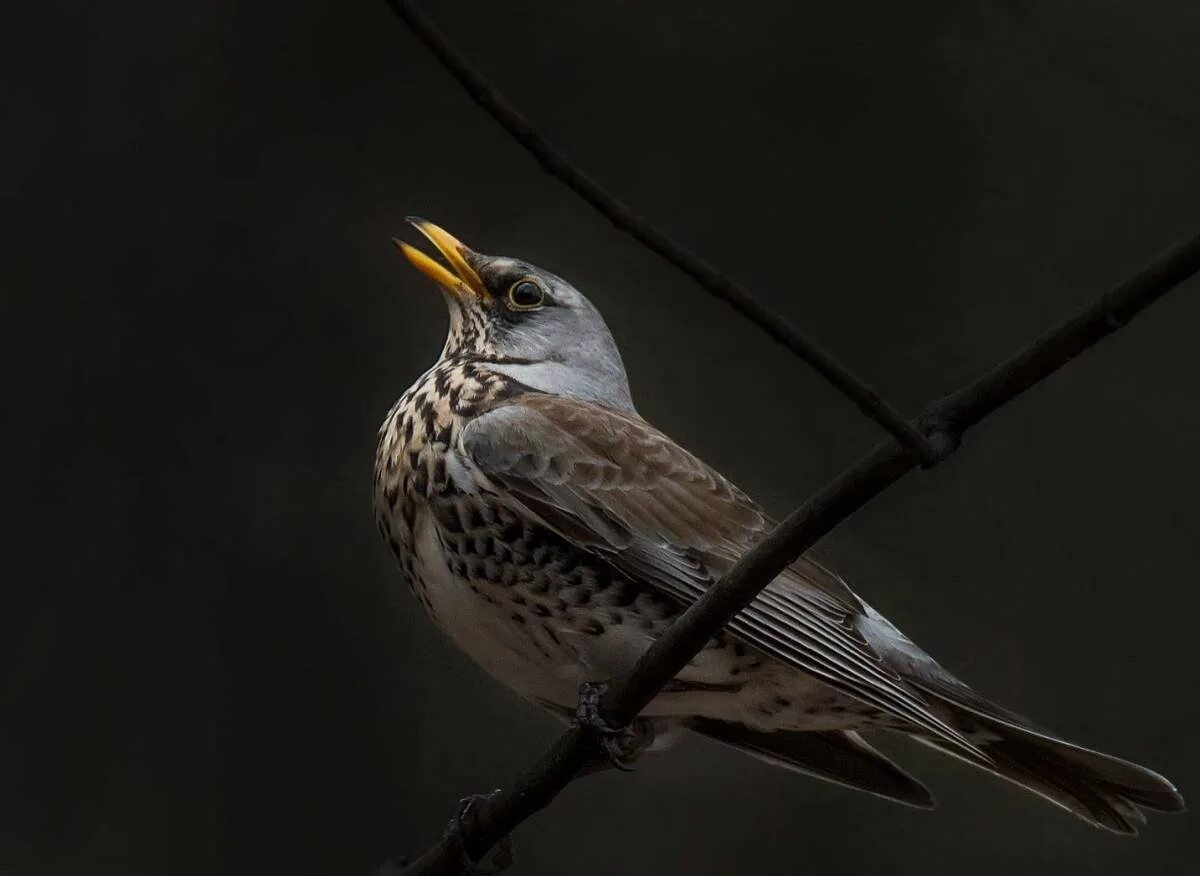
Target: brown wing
[(612, 483)]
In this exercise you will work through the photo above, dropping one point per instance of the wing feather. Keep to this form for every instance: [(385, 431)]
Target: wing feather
[(611, 482)]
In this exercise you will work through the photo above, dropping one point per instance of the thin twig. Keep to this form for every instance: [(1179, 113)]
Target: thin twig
[(946, 420), (562, 168)]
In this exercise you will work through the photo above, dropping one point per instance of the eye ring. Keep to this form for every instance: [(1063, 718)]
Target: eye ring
[(525, 294)]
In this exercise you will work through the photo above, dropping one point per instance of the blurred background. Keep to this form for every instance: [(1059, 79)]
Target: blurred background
[(208, 664)]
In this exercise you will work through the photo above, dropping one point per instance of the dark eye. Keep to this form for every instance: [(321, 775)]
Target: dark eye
[(526, 295)]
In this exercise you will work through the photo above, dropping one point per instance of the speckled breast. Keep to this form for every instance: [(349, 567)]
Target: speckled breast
[(414, 441), (532, 595)]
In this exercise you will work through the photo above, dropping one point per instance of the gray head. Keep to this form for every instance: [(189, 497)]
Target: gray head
[(523, 322)]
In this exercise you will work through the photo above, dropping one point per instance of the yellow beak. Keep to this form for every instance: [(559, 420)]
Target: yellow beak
[(467, 282)]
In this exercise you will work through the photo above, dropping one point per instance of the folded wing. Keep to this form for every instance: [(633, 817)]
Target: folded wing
[(617, 486)]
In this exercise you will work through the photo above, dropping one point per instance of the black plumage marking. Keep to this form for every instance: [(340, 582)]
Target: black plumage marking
[(511, 530), (524, 570), (448, 519), (441, 381)]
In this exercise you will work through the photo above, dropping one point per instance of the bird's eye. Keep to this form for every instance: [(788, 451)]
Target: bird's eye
[(526, 295)]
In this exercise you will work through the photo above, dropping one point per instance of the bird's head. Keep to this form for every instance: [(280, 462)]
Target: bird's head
[(522, 321)]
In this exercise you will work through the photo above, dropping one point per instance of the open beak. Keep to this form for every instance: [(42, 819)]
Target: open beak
[(462, 281)]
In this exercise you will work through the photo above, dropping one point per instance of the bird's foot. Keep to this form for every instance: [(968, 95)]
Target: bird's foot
[(460, 825), (623, 745)]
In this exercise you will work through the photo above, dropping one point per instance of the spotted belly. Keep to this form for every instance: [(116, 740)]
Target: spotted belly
[(539, 618), (533, 658)]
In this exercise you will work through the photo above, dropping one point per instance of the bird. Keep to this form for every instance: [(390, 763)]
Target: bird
[(552, 534)]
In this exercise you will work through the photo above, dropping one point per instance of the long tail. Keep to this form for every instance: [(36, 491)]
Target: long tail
[(1101, 789), (836, 756)]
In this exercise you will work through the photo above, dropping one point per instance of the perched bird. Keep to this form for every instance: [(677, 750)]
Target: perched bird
[(553, 533)]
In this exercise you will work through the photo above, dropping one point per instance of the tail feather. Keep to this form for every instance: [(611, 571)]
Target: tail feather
[(842, 757), (1104, 790)]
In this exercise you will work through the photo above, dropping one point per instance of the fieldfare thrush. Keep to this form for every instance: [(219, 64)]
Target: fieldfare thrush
[(553, 533)]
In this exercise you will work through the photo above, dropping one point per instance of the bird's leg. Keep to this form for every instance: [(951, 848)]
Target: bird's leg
[(460, 825), (623, 745)]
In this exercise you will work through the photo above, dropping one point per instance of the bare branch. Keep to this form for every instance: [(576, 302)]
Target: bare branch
[(928, 440), (562, 168), (944, 421)]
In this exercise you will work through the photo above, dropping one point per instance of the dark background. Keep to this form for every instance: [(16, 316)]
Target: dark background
[(208, 663)]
